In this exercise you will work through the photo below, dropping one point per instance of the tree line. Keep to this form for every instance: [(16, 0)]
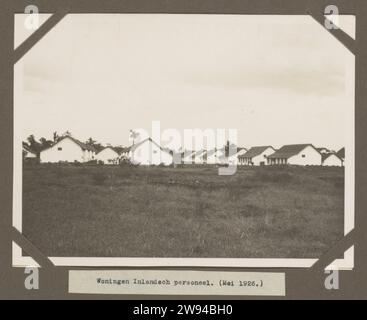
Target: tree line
[(37, 145)]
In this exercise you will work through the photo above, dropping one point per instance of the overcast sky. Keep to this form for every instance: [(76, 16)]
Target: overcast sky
[(277, 79)]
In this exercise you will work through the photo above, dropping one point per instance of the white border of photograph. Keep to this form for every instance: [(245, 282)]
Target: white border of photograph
[(347, 263)]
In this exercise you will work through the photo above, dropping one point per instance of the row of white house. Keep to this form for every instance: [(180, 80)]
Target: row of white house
[(148, 152), (295, 154), (69, 149)]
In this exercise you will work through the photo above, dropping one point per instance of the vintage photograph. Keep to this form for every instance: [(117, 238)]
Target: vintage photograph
[(184, 139)]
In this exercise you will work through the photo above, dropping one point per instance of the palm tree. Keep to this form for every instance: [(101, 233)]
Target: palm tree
[(31, 139), (44, 143), (134, 135), (67, 133), (55, 136), (90, 142), (33, 144)]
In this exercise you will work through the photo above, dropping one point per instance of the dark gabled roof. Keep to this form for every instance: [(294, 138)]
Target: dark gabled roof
[(290, 150), (241, 149), (255, 151), (120, 149), (327, 155), (98, 149), (135, 146), (341, 153), (79, 143)]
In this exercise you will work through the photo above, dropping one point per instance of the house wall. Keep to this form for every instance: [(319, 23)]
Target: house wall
[(233, 160), (65, 150), (277, 161), (69, 152), (199, 158), (308, 156), (149, 153), (108, 156), (263, 157), (245, 161), (238, 160), (333, 160), (221, 157), (89, 155), (188, 158), (211, 158)]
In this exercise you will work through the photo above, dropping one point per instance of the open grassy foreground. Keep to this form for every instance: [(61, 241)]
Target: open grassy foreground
[(273, 212)]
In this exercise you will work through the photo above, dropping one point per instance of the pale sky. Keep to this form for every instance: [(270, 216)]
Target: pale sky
[(276, 79)]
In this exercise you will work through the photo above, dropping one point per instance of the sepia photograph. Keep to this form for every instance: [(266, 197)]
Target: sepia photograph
[(184, 140)]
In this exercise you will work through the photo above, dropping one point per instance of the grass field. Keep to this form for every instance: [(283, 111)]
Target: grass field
[(273, 212)]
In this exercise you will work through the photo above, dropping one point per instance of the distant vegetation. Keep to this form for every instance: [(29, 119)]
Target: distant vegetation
[(37, 145), (42, 143)]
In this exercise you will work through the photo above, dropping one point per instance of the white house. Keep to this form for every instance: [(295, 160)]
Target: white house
[(108, 155), (296, 154), (188, 157), (211, 156), (331, 160), (195, 157), (221, 157), (205, 157), (124, 152), (240, 152), (214, 156), (68, 149), (256, 156), (148, 152), (28, 153), (200, 157)]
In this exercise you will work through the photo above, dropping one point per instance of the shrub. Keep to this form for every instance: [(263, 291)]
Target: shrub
[(126, 163), (91, 162)]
